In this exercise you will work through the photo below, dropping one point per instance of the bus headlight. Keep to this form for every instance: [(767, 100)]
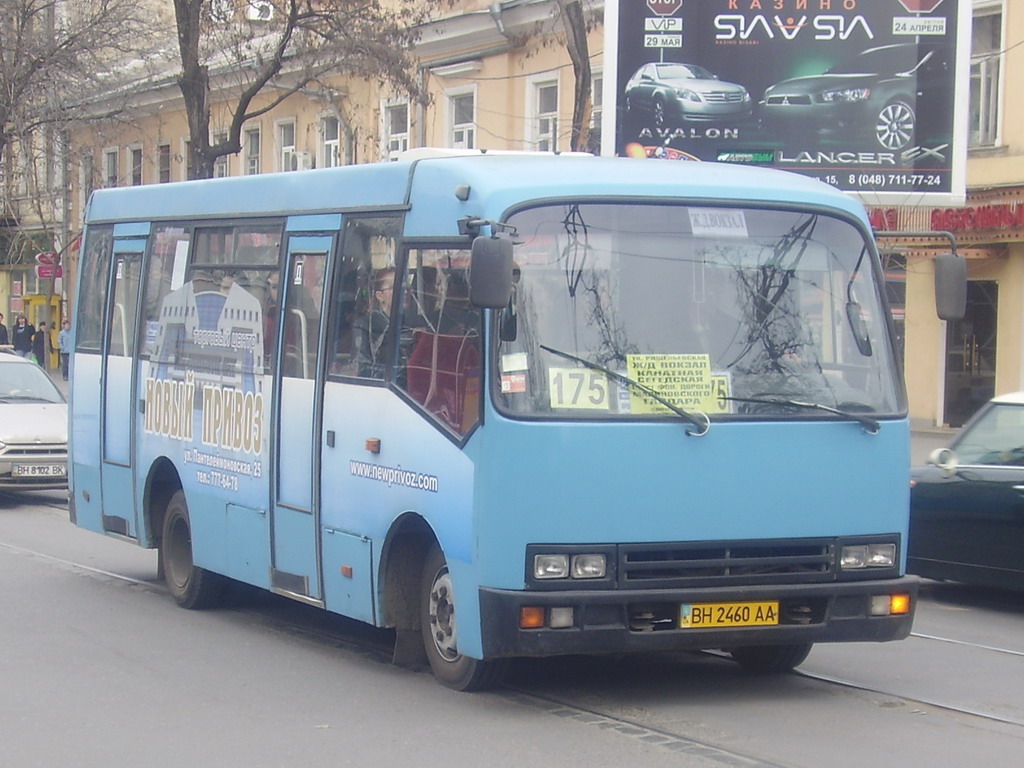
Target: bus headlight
[(550, 566), (589, 566), (857, 556)]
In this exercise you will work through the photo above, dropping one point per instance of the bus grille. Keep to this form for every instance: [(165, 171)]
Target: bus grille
[(673, 565)]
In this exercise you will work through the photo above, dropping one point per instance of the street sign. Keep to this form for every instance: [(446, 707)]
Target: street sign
[(668, 7), (49, 271), (47, 258)]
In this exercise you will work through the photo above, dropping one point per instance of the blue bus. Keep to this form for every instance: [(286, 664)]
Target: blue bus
[(582, 404)]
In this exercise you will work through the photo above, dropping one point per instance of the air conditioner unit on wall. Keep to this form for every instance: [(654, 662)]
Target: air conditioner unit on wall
[(260, 10)]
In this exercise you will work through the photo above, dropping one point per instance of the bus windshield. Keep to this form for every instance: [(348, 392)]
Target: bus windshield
[(730, 312)]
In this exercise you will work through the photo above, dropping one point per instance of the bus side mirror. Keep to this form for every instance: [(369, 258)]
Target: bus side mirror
[(950, 286), (490, 271)]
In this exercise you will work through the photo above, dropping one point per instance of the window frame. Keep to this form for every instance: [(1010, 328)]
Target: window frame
[(466, 128), (108, 153), (287, 154), (253, 160), (388, 134), (537, 140), (990, 79)]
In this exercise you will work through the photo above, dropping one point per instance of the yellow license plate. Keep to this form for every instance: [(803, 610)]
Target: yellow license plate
[(711, 615)]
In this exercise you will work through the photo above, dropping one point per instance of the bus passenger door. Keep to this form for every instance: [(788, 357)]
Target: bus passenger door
[(295, 526), (118, 415)]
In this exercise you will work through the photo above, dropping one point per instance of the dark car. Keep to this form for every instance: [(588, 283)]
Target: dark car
[(967, 505), (881, 93), (672, 93)]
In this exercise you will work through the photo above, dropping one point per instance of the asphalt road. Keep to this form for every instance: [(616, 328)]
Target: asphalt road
[(98, 667)]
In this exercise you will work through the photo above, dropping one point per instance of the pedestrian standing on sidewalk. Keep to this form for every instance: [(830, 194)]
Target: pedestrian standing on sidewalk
[(64, 347), (4, 338), (42, 346), (22, 336)]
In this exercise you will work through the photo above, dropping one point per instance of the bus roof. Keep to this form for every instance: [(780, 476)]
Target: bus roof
[(443, 189)]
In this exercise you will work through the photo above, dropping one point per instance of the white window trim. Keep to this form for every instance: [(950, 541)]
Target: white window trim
[(170, 162), (323, 146), (256, 128), (533, 83), (983, 7), (107, 152), (224, 161), (386, 153), (286, 160), (132, 148), (469, 90)]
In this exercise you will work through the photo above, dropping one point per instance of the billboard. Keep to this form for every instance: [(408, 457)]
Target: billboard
[(867, 95)]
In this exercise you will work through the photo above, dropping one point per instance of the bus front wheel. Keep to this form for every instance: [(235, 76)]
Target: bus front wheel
[(771, 659), (190, 586), (440, 638)]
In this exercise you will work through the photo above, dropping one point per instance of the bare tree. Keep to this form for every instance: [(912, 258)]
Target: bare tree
[(54, 53), (575, 26), (54, 56), (227, 49)]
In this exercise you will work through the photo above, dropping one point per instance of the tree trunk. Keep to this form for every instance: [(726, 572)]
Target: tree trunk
[(579, 53)]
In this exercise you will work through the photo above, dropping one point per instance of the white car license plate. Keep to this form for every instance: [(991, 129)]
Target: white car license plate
[(39, 470)]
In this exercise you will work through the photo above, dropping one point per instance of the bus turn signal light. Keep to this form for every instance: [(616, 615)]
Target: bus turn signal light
[(531, 617), (899, 604)]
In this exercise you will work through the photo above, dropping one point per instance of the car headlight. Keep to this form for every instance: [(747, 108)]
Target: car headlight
[(846, 94), (687, 95)]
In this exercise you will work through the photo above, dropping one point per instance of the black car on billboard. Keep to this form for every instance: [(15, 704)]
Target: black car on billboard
[(887, 94), (668, 94)]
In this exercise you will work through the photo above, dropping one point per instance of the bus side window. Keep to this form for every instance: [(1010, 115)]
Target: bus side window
[(440, 342), (360, 330), (96, 256)]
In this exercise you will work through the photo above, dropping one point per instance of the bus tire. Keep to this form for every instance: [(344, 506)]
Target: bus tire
[(437, 624), (771, 659), (190, 586)]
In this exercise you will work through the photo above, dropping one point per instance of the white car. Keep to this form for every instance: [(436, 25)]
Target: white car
[(33, 428)]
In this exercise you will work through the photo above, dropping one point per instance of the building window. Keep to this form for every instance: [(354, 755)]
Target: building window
[(187, 153), (461, 109), (986, 44), (220, 165), (330, 147), (396, 129), (136, 155), (111, 163), (544, 105), (164, 162), (88, 178), (286, 159), (252, 151)]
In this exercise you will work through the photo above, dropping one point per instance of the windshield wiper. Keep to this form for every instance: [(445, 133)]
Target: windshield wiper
[(871, 426), (702, 423)]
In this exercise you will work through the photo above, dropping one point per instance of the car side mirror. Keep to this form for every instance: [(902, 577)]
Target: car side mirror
[(945, 459), (490, 271), (950, 286)]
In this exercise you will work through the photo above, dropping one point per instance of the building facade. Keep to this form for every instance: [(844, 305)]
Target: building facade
[(499, 76)]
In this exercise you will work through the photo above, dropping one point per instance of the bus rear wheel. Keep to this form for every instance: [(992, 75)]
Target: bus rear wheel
[(771, 659), (190, 586), (440, 638)]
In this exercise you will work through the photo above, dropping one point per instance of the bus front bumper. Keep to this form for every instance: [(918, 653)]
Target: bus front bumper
[(613, 621)]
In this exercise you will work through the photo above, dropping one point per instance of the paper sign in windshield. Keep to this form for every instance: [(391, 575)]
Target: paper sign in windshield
[(686, 381)]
